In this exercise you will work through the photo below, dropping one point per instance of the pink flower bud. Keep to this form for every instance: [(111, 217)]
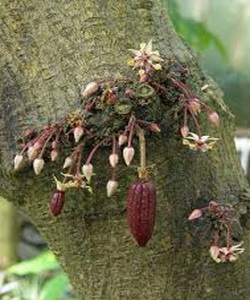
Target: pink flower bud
[(68, 162), (54, 144), (37, 145), (38, 165), (214, 118), (194, 106), (112, 186), (29, 133), (90, 89), (184, 131), (154, 127), (197, 213), (54, 154), (113, 160), (18, 161), (32, 153), (143, 78), (129, 93), (87, 171), (122, 139), (128, 154), (215, 252), (78, 133)]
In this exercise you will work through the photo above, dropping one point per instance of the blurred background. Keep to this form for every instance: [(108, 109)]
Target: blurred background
[(219, 35)]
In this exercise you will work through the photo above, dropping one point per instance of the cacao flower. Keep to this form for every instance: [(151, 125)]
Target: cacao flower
[(128, 154), (90, 89), (57, 202), (68, 162), (38, 165), (113, 159), (87, 171), (214, 118), (122, 139), (78, 133), (18, 161), (194, 106), (184, 131), (112, 186), (141, 209)]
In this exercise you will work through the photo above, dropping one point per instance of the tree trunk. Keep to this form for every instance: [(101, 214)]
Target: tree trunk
[(50, 47), (9, 234)]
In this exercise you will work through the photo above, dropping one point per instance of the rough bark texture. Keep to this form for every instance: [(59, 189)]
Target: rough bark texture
[(48, 48)]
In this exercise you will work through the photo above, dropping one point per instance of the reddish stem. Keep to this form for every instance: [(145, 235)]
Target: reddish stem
[(196, 123), (93, 151)]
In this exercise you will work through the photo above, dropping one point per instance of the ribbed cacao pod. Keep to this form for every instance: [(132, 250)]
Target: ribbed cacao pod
[(57, 202), (141, 208)]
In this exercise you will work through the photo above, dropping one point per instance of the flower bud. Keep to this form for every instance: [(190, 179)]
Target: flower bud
[(214, 118), (113, 160), (215, 252), (112, 186), (87, 171), (54, 154), (29, 133), (90, 89), (129, 93), (122, 139), (78, 133), (38, 165), (37, 145), (32, 153), (184, 131), (18, 161), (54, 144), (197, 213), (154, 127), (128, 154), (143, 78), (194, 106), (68, 162)]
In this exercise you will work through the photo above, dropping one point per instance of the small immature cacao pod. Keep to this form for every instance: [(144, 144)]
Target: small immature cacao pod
[(57, 202), (141, 208)]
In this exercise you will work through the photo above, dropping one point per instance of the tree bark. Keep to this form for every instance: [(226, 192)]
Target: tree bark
[(47, 49)]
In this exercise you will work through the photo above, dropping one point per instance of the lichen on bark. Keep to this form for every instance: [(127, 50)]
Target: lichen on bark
[(49, 48)]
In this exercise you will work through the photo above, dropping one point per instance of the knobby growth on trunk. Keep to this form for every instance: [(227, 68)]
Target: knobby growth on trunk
[(47, 51)]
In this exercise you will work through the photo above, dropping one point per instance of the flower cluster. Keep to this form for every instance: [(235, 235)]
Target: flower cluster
[(222, 218), (110, 114)]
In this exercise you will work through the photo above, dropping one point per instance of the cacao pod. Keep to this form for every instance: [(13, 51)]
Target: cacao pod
[(57, 202), (141, 208)]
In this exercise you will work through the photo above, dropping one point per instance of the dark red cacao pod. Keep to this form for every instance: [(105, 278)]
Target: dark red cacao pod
[(141, 208), (57, 202)]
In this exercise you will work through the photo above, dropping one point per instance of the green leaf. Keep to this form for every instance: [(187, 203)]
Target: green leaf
[(54, 288), (195, 33), (42, 263)]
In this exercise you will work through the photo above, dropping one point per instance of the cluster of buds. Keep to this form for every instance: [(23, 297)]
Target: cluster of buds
[(123, 99), (222, 218)]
